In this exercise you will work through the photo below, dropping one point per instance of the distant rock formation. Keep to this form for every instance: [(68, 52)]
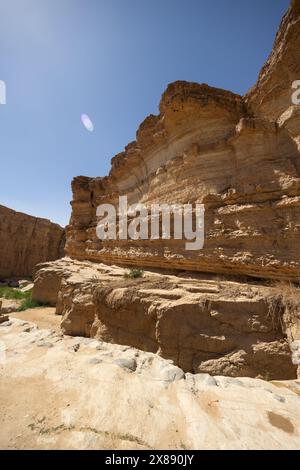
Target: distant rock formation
[(26, 241), (237, 156)]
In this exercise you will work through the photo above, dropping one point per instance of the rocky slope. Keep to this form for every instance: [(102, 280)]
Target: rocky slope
[(26, 241), (77, 393), (237, 156), (203, 325)]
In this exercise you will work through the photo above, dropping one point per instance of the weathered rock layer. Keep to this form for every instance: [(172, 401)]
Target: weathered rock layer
[(26, 241), (271, 97), (202, 325), (237, 156)]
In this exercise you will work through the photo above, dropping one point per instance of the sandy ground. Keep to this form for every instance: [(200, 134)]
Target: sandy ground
[(43, 317)]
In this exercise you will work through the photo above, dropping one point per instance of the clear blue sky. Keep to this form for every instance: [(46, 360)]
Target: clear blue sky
[(111, 59)]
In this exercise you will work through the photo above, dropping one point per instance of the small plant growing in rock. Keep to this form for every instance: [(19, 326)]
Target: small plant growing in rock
[(134, 274), (29, 303)]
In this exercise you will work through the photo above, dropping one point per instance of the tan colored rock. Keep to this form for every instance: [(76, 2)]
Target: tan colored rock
[(237, 156), (211, 147), (271, 97), (203, 325), (272, 92), (3, 317), (26, 241), (27, 288), (117, 398)]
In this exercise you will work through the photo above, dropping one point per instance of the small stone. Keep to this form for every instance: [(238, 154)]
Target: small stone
[(172, 373), (4, 319), (124, 363), (279, 398), (45, 344), (27, 288), (206, 379), (95, 360), (28, 329), (24, 283), (13, 283), (6, 323)]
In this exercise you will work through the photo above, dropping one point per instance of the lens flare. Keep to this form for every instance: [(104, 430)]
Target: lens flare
[(87, 122)]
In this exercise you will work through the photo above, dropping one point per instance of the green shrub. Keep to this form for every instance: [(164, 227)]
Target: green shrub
[(14, 294), (26, 298), (134, 274), (29, 303)]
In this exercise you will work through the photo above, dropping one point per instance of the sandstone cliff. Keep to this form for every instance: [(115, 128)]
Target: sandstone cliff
[(26, 241), (271, 96), (237, 156)]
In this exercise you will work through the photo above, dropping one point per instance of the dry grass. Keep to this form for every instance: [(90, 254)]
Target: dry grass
[(284, 305)]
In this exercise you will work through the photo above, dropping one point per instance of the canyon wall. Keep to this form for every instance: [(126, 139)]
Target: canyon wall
[(271, 96), (239, 156), (26, 241)]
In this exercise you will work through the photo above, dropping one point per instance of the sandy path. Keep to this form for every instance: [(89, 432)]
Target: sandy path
[(43, 317)]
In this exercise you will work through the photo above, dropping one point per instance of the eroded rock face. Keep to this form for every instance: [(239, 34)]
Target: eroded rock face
[(202, 325), (271, 97), (26, 241), (237, 156)]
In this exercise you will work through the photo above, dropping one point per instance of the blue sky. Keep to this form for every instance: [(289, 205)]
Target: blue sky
[(111, 59)]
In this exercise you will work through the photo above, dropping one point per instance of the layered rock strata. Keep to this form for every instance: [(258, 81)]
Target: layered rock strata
[(238, 156), (203, 325), (271, 97), (26, 241)]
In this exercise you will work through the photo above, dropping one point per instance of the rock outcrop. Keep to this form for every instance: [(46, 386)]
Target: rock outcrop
[(3, 316), (271, 97), (237, 156), (203, 325), (114, 397), (26, 241)]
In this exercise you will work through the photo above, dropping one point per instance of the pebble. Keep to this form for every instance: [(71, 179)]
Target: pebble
[(75, 347), (95, 360), (279, 398), (6, 323), (129, 364), (206, 379), (172, 373), (45, 344)]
